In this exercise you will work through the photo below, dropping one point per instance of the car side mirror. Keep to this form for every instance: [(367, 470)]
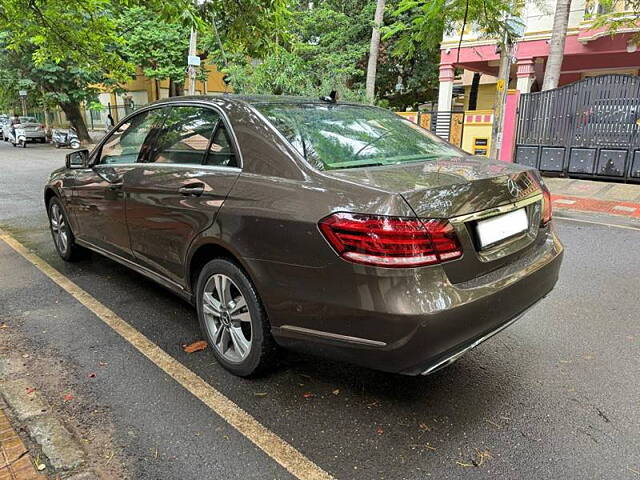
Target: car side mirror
[(78, 159)]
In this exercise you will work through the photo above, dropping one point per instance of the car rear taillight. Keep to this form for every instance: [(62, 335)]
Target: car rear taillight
[(547, 212), (391, 241)]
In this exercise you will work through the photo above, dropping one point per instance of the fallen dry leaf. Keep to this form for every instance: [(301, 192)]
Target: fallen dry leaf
[(379, 430), (424, 427), (4, 325), (92, 375), (195, 346), (336, 391), (493, 423), (30, 390), (308, 395), (260, 394), (68, 397)]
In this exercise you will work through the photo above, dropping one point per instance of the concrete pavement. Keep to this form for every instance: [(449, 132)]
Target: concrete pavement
[(595, 197)]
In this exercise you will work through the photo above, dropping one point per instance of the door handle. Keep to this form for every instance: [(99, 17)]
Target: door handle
[(192, 190)]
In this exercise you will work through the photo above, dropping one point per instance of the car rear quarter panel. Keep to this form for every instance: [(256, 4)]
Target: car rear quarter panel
[(270, 222)]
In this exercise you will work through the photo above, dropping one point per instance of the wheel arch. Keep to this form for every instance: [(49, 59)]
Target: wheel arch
[(49, 192), (208, 250)]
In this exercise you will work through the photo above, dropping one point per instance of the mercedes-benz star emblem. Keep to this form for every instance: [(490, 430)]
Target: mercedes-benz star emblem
[(513, 188)]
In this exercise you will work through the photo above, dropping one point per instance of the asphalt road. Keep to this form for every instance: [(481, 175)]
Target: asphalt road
[(554, 396)]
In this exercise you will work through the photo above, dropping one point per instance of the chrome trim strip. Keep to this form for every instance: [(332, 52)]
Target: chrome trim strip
[(452, 358), (332, 336), (167, 165), (497, 210)]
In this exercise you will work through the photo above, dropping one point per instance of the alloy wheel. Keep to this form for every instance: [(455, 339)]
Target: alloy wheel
[(59, 228), (227, 318)]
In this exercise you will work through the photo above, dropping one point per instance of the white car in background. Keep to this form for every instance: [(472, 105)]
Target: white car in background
[(33, 130), (4, 120)]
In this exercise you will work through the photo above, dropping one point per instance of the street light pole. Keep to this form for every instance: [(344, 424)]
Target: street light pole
[(23, 101)]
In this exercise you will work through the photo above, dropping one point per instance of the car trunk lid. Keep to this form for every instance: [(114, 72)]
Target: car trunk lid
[(466, 191)]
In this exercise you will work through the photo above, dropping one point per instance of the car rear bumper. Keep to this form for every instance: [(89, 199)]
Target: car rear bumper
[(436, 323), (34, 135)]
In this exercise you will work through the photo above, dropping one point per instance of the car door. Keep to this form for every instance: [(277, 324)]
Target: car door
[(98, 202), (177, 191)]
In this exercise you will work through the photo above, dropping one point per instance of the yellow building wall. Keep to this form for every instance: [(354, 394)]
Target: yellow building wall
[(486, 96), (156, 89), (476, 135)]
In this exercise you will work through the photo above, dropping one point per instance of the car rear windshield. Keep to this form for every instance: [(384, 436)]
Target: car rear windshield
[(341, 136)]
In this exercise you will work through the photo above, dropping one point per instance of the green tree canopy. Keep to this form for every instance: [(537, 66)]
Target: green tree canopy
[(326, 49)]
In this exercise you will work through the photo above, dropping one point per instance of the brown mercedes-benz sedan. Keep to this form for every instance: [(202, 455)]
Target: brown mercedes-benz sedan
[(333, 228)]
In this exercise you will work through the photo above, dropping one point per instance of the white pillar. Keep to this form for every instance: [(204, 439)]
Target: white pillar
[(445, 93), (525, 75), (445, 96)]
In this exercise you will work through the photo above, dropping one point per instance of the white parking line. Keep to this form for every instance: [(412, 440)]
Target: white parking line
[(274, 446)]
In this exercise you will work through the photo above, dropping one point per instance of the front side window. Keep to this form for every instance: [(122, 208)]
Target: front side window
[(127, 143), (341, 136), (185, 136)]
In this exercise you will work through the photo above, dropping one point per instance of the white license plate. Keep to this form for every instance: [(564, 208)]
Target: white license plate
[(495, 229)]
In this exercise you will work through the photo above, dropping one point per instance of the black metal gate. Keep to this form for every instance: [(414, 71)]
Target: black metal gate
[(587, 129)]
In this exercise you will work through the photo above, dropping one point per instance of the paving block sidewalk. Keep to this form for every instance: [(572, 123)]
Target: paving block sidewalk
[(15, 461), (597, 197)]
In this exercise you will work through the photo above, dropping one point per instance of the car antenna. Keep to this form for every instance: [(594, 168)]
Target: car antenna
[(331, 98)]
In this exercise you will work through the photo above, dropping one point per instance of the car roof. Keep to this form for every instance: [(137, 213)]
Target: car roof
[(231, 98)]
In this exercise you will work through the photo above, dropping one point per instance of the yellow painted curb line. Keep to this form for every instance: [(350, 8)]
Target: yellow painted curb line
[(275, 447)]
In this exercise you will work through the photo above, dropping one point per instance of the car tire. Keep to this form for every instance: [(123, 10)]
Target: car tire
[(66, 244), (237, 329)]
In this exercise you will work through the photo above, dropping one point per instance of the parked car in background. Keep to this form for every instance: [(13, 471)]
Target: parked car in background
[(333, 228), (4, 121), (33, 130)]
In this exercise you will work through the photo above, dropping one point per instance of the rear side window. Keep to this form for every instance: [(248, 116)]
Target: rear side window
[(185, 136), (221, 152), (127, 143)]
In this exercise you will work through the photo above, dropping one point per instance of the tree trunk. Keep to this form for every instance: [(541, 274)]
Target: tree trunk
[(473, 91), (74, 115), (172, 88), (373, 51), (500, 100), (556, 45)]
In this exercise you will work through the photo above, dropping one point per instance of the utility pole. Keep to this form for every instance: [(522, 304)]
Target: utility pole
[(23, 101), (192, 62)]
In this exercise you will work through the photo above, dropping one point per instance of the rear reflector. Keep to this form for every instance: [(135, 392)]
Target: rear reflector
[(547, 212), (391, 241)]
